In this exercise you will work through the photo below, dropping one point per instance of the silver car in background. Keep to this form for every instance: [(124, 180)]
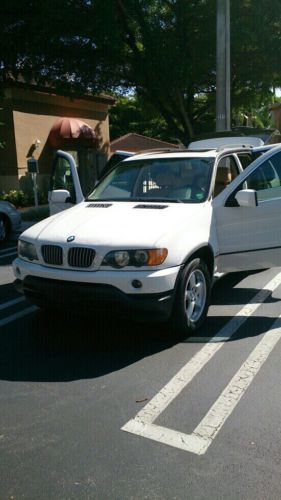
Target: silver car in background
[(10, 219)]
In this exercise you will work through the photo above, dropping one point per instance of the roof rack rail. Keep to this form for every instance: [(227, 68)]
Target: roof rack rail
[(161, 150), (234, 146), (201, 150)]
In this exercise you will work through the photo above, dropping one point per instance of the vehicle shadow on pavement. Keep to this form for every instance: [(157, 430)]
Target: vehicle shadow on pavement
[(224, 291), (45, 347), (232, 298)]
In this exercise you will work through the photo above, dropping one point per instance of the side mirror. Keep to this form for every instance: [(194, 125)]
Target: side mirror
[(59, 195), (247, 198)]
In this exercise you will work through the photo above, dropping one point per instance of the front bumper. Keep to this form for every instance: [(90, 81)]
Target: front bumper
[(90, 297), (101, 290)]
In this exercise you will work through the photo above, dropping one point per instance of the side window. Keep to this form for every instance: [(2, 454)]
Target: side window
[(245, 159), (266, 180), (227, 170)]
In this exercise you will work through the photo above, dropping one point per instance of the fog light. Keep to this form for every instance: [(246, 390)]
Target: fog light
[(136, 284)]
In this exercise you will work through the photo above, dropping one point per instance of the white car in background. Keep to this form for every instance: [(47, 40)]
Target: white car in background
[(10, 219), (217, 142), (151, 234)]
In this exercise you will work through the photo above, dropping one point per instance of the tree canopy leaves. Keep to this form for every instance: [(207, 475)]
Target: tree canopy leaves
[(163, 50)]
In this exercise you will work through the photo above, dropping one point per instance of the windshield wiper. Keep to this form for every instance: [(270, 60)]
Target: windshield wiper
[(137, 199), (160, 200), (98, 200)]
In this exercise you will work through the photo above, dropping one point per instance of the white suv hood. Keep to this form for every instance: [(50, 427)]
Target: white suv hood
[(120, 224)]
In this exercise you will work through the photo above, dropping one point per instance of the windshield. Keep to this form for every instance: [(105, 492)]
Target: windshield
[(157, 179)]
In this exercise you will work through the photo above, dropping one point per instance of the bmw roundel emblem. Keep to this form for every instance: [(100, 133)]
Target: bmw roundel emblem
[(70, 238)]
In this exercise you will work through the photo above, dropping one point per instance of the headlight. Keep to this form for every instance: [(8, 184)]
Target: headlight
[(136, 258), (27, 250), (121, 258)]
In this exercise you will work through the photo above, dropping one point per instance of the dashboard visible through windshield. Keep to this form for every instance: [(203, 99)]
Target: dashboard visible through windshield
[(182, 179)]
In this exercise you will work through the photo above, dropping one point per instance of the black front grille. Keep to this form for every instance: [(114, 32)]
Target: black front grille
[(52, 254), (80, 257)]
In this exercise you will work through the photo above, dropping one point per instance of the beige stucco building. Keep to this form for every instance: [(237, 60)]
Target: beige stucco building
[(28, 114)]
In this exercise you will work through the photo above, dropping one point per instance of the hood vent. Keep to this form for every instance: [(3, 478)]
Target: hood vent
[(155, 207), (99, 205)]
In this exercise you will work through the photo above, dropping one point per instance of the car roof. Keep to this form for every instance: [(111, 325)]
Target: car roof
[(226, 141), (183, 154), (267, 135), (187, 153)]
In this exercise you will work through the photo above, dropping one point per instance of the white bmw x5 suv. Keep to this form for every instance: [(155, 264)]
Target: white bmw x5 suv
[(151, 234)]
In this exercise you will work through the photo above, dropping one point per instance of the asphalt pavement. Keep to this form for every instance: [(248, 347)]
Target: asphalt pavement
[(103, 408)]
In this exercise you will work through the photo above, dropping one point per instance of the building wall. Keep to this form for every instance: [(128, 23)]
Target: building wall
[(29, 115), (8, 157), (276, 115)]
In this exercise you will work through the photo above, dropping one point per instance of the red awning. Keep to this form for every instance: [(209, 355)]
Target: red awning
[(69, 128)]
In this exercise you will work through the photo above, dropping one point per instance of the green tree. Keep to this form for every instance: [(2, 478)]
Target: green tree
[(163, 50), (133, 114)]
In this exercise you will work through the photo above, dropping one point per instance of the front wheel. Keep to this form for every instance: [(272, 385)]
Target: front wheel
[(192, 297)]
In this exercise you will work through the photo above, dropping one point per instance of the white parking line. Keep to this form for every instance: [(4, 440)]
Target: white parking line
[(8, 254), (11, 303), (200, 439), (17, 315), (225, 404), (4, 250)]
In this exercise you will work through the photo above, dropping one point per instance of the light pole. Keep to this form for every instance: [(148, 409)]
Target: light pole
[(223, 111)]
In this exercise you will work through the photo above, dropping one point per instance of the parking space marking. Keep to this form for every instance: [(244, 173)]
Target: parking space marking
[(4, 256), (142, 424), (11, 303), (231, 395), (17, 315), (3, 250)]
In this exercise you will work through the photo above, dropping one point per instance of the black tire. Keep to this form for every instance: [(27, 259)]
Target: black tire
[(192, 298), (4, 228)]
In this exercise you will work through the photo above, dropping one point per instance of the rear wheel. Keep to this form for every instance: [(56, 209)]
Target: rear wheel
[(192, 297), (4, 228)]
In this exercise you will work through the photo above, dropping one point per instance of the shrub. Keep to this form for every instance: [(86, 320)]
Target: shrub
[(35, 214), (18, 198), (21, 199)]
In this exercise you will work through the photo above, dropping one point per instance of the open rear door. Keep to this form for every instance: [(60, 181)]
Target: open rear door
[(65, 189)]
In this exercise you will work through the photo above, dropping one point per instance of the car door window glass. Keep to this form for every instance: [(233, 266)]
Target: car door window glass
[(265, 180), (62, 177), (245, 160), (227, 170)]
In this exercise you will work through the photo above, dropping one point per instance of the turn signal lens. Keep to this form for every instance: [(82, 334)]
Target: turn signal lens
[(156, 256)]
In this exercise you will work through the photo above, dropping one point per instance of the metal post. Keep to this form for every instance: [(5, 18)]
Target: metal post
[(34, 175), (223, 111)]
